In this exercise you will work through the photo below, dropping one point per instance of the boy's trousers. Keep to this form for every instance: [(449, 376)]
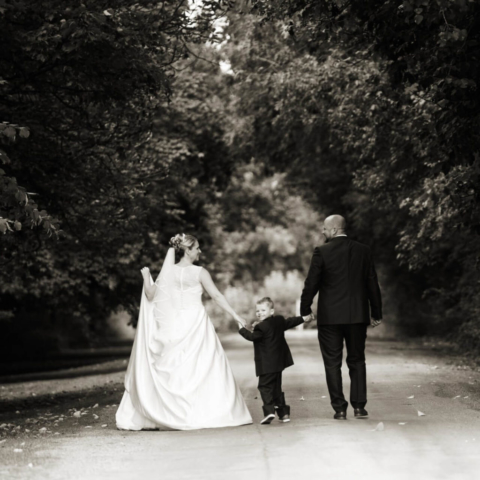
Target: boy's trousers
[(270, 388)]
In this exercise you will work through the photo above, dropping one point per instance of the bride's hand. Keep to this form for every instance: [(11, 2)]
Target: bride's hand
[(241, 322), (145, 272)]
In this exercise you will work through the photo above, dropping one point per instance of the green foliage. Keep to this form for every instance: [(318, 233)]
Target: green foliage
[(16, 205), (260, 227), (120, 163), (125, 136), (372, 111)]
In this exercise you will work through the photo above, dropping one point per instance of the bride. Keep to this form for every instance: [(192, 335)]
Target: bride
[(178, 376)]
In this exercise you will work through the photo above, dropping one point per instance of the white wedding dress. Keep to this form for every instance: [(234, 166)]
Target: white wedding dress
[(178, 376)]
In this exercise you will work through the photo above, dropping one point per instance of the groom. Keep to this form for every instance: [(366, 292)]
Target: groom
[(343, 274)]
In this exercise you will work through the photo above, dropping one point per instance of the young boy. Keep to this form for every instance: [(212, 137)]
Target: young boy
[(272, 356)]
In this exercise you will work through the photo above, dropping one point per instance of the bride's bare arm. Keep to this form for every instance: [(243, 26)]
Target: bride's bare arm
[(149, 289), (217, 296)]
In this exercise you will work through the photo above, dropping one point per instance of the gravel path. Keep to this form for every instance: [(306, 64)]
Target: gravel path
[(65, 428)]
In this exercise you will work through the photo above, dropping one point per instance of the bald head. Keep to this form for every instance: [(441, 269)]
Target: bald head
[(333, 226), (336, 221)]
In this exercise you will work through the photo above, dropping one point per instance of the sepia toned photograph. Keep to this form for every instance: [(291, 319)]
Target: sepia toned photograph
[(239, 239)]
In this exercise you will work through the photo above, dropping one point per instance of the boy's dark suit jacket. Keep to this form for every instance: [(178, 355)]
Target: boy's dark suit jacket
[(271, 349), (343, 274)]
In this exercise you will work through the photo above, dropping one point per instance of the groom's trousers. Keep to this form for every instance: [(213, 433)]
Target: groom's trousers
[(331, 339), (270, 388)]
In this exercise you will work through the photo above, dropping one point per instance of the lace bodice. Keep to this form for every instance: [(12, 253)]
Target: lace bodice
[(187, 289)]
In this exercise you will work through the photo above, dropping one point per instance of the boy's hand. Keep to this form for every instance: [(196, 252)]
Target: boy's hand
[(375, 323), (309, 318), (240, 322)]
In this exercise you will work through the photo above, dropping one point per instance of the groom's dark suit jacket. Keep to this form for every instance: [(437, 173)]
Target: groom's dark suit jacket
[(343, 273), (271, 349)]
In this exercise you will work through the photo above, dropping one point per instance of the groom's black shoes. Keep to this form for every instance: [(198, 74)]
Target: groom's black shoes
[(340, 416), (360, 413), (268, 419)]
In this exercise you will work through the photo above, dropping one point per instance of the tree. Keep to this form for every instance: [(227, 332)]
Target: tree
[(373, 110), (101, 141)]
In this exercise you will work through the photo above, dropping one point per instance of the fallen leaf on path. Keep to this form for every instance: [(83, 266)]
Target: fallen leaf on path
[(402, 423), (43, 430), (77, 414), (17, 450), (458, 396), (22, 444), (2, 441), (95, 406), (27, 430), (379, 428), (466, 396), (412, 396), (95, 417), (420, 414), (301, 398), (88, 426), (103, 426), (30, 465), (324, 396)]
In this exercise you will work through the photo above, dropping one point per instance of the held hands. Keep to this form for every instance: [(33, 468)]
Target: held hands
[(251, 326), (375, 323), (240, 321), (309, 318)]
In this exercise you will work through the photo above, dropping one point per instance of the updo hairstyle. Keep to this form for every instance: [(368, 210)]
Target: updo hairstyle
[(181, 242)]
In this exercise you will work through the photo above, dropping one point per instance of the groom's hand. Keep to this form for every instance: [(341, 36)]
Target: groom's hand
[(309, 318), (375, 323)]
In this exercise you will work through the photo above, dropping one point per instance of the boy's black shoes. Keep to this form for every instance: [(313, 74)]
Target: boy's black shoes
[(268, 419), (285, 418), (360, 413), (340, 416)]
